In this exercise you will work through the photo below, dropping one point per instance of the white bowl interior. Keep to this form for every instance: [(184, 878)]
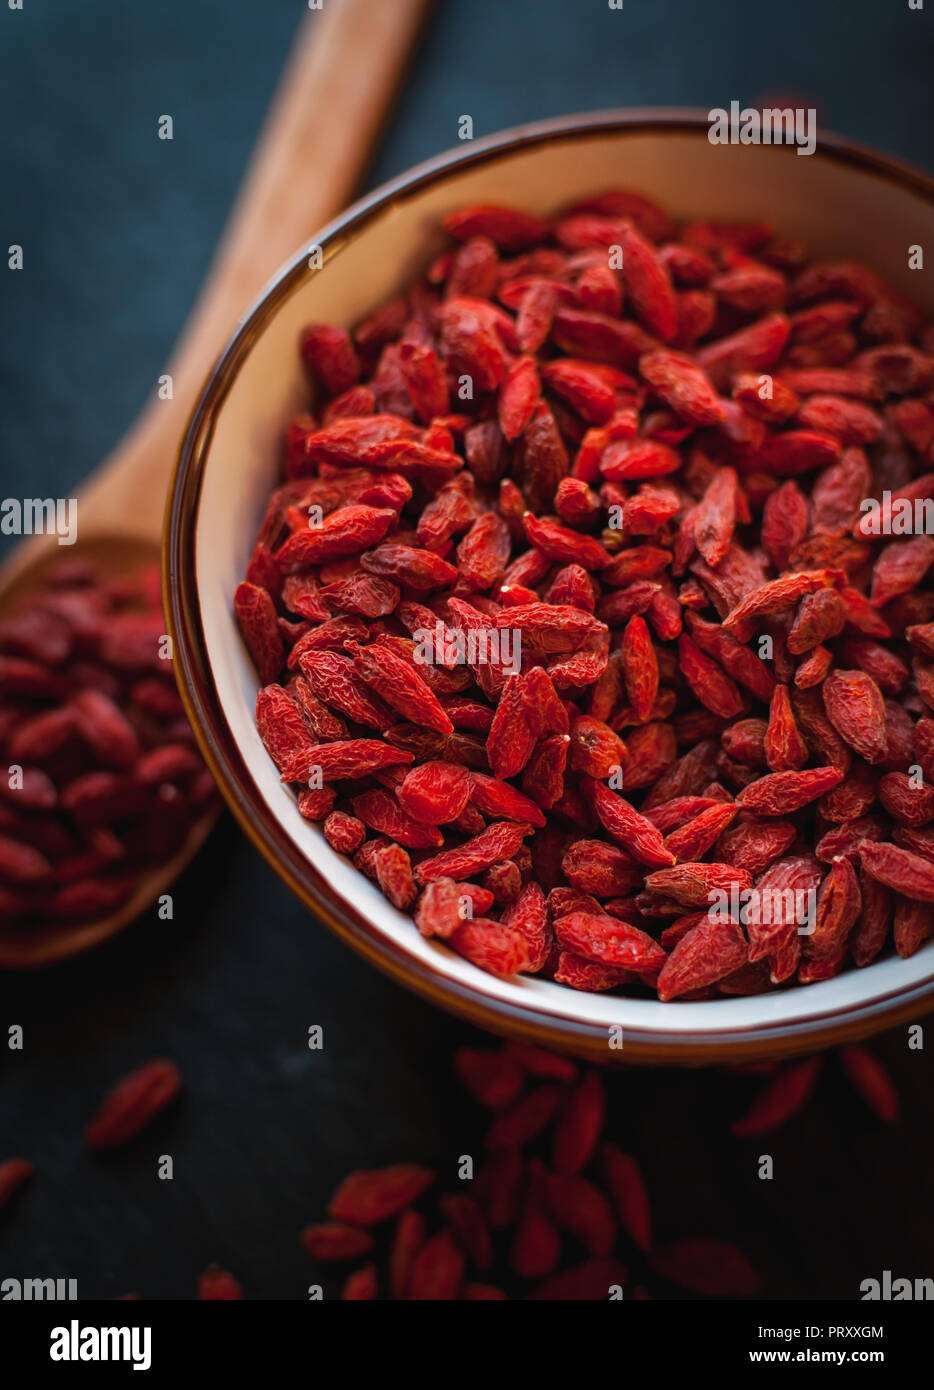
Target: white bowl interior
[(839, 211)]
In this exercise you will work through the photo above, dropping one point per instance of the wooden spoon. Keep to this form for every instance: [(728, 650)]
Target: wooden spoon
[(327, 113)]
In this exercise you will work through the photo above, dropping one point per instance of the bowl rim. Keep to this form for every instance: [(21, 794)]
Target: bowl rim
[(228, 765)]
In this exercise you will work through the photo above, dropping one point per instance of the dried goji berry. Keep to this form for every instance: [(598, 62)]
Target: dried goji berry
[(133, 1102)]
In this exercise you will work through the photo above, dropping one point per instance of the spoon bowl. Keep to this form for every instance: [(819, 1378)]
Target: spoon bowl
[(112, 553)]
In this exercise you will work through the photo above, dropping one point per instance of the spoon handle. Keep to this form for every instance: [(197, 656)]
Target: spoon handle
[(338, 85)]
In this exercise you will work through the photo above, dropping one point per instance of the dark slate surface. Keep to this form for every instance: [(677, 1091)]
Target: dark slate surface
[(118, 228)]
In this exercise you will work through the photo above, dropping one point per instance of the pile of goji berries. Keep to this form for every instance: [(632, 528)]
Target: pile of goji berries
[(100, 778), (554, 1210), (520, 1211), (642, 453)]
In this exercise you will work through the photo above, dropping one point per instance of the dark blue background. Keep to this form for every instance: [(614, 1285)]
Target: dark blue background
[(118, 228)]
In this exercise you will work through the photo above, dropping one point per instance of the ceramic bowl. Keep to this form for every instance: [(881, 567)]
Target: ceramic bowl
[(843, 202)]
